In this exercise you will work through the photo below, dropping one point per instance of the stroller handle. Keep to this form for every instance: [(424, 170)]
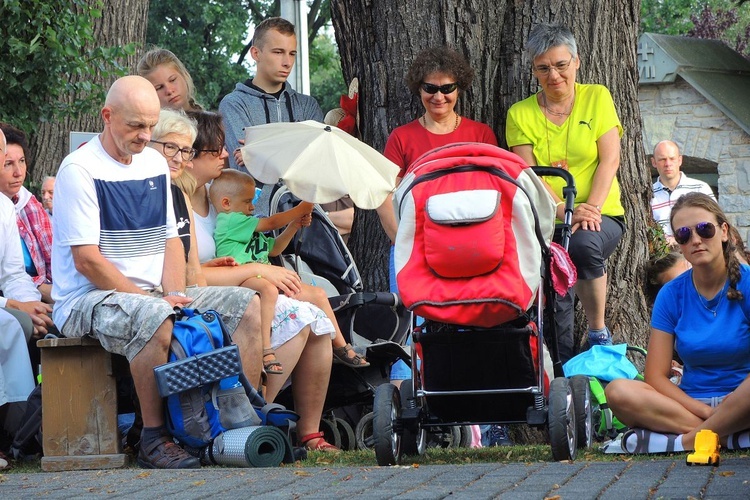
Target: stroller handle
[(569, 195), (357, 299), (382, 298)]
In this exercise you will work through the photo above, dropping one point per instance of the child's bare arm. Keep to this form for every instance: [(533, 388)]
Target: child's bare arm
[(280, 243), (281, 219)]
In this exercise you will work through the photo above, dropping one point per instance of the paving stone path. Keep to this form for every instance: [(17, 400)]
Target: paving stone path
[(656, 479)]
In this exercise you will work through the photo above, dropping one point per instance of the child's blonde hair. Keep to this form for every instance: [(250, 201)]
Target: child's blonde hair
[(229, 184)]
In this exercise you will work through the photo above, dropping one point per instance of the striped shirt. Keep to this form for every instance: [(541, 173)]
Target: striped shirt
[(663, 199)]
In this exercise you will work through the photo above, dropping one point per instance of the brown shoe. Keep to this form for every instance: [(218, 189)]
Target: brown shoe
[(165, 454)]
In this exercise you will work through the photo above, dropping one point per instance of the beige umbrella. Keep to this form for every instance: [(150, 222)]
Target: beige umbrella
[(319, 163)]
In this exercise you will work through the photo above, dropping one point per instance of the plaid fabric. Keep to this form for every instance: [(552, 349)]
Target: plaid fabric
[(36, 231)]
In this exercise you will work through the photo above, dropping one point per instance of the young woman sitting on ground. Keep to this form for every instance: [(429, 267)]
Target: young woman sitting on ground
[(703, 314)]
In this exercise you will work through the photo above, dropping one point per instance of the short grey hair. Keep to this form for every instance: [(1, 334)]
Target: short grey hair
[(172, 121), (543, 37)]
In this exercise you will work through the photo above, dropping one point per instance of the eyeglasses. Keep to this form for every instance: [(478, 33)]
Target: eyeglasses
[(443, 89), (705, 230), (171, 149), (560, 67), (215, 152)]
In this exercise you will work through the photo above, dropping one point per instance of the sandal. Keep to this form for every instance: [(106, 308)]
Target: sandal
[(320, 443), (342, 355), (272, 366)]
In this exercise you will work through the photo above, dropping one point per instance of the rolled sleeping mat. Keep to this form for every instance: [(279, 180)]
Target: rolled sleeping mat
[(254, 446)]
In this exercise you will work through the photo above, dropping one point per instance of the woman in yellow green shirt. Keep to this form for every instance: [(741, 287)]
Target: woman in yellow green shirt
[(575, 127)]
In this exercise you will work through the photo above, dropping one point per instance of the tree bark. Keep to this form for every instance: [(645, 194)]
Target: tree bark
[(122, 22), (378, 41)]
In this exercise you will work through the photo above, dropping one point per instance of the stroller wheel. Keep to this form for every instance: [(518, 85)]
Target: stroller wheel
[(412, 443), (445, 437), (465, 436), (562, 420), (348, 441), (386, 413), (363, 432), (331, 432), (584, 411)]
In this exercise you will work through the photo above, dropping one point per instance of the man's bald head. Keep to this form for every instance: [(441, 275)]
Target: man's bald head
[(666, 145), (130, 114), (667, 160), (131, 89)]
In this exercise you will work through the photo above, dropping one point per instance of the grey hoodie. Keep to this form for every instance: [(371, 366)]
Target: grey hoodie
[(245, 106)]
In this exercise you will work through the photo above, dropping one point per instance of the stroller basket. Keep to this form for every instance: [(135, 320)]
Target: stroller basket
[(494, 372)]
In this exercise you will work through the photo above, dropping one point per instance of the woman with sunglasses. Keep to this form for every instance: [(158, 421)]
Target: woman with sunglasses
[(575, 127), (705, 315), (437, 76)]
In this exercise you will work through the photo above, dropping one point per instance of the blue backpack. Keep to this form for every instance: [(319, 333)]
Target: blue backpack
[(205, 388)]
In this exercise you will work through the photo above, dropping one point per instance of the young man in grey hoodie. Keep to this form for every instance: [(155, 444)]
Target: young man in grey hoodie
[(267, 97)]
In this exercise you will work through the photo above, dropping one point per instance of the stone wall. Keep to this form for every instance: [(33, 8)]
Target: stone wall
[(679, 112)]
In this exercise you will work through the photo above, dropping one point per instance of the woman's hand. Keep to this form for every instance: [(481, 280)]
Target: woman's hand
[(587, 217), (238, 154), (221, 262), (288, 282), (38, 311)]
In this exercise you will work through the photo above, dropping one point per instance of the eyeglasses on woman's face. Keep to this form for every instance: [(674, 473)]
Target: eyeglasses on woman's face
[(446, 89), (705, 230), (560, 67), (214, 152), (171, 149)]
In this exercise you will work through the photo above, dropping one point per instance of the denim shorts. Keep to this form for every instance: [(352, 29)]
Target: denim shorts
[(712, 402)]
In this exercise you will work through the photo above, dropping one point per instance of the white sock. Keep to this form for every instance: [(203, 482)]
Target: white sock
[(645, 441), (739, 440)]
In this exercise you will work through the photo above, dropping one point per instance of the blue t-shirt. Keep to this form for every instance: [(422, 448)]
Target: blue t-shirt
[(28, 262), (714, 349)]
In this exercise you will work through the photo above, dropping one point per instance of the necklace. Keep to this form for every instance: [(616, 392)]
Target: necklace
[(455, 126), (564, 163), (555, 113), (704, 302)]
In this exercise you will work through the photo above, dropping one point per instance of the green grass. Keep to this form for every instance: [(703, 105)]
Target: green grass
[(445, 456), (504, 454)]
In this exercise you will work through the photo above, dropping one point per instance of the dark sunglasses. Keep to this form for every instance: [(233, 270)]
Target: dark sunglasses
[(705, 230), (443, 89)]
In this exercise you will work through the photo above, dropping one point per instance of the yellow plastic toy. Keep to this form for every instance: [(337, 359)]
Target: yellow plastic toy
[(706, 449)]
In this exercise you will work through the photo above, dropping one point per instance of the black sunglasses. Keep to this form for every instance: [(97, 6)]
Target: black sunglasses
[(444, 89), (705, 230)]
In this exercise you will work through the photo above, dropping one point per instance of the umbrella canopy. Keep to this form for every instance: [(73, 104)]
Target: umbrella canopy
[(319, 163)]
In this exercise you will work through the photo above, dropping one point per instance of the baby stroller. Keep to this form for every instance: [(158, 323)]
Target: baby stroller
[(473, 258), (375, 323)]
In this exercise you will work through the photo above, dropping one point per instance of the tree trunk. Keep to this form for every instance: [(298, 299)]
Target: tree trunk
[(378, 41), (122, 22)]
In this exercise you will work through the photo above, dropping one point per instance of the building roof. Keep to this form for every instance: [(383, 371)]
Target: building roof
[(717, 72)]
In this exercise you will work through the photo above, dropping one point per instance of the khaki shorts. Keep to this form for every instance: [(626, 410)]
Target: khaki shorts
[(125, 322)]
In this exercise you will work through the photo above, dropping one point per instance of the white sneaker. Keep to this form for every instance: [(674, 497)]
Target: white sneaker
[(613, 446)]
